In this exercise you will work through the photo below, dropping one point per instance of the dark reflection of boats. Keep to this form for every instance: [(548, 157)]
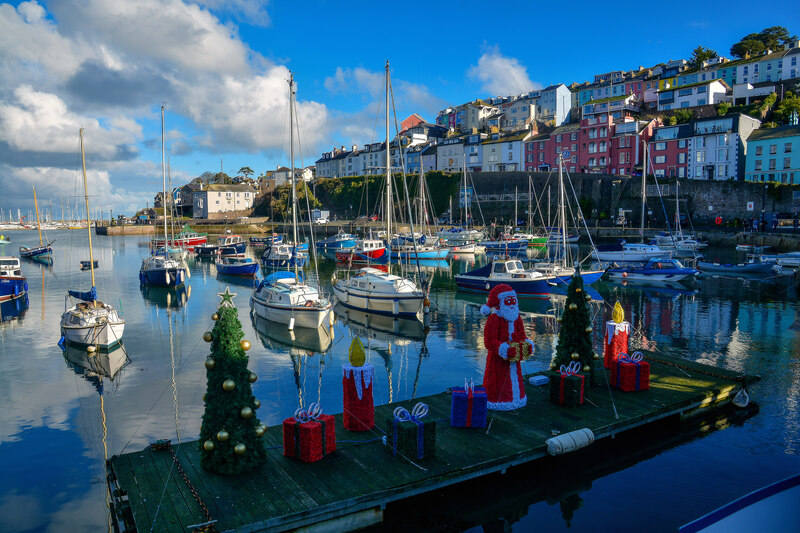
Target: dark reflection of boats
[(11, 310), (302, 339), (166, 297), (239, 281), (45, 262), (97, 364), (380, 327)]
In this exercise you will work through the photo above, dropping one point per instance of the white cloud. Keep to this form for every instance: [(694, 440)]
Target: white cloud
[(500, 75)]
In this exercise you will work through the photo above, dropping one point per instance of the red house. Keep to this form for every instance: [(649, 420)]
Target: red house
[(669, 151)]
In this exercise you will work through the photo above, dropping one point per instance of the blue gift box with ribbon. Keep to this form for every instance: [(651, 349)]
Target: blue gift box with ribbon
[(468, 406), (410, 435)]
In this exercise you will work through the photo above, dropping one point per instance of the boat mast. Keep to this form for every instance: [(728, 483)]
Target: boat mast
[(86, 200), (530, 211), (562, 210), (464, 193), (291, 157), (164, 177), (644, 178), (516, 217), (38, 224), (388, 168)]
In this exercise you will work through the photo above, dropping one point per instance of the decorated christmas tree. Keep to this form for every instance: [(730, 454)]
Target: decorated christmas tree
[(231, 435), (575, 336)]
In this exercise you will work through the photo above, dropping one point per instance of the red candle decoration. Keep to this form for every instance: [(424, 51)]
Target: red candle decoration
[(616, 336), (357, 378)]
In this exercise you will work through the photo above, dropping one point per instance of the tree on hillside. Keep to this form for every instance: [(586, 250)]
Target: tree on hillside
[(790, 104), (246, 172), (682, 116), (281, 200), (221, 178), (771, 38), (700, 54)]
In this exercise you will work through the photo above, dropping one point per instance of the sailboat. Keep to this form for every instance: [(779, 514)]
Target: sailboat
[(160, 268), (43, 252), (534, 239), (683, 245), (89, 321), (463, 239), (284, 296), (370, 289)]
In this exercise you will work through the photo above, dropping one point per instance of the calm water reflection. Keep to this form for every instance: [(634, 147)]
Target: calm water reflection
[(53, 440)]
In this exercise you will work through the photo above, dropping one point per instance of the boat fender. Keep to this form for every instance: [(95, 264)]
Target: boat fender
[(569, 442), (166, 274), (291, 324), (742, 399), (395, 307), (25, 286)]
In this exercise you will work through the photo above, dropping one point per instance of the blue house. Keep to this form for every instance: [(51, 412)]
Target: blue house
[(773, 154)]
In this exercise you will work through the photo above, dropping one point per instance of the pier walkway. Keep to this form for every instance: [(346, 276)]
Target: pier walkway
[(351, 487)]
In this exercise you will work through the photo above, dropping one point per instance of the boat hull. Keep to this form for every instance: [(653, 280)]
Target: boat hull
[(40, 252), (105, 335), (427, 254), (406, 306), (625, 275), (629, 257), (244, 269), (741, 268), (207, 250), (536, 288), (169, 277), (188, 242), (311, 317), (12, 287), (336, 245)]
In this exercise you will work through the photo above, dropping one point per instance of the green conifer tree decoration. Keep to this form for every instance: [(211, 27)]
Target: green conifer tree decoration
[(575, 336), (231, 435)]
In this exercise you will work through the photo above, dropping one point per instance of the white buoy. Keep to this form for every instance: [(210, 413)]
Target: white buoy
[(291, 324), (396, 307)]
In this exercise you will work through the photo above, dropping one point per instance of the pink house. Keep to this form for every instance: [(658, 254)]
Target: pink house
[(669, 151), (595, 144)]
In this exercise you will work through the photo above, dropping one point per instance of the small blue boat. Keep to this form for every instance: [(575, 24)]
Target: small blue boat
[(409, 252), (527, 283), (235, 266), (231, 244), (505, 246), (283, 256), (12, 283), (337, 242), (13, 309), (45, 251), (653, 270), (266, 241)]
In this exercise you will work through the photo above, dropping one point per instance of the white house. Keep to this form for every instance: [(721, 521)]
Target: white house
[(221, 198), (718, 146), (450, 154), (503, 153), (694, 94)]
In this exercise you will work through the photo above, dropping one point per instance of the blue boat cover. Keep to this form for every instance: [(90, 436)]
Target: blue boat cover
[(89, 296), (282, 274)]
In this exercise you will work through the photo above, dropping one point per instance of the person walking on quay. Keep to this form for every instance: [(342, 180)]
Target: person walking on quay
[(755, 225)]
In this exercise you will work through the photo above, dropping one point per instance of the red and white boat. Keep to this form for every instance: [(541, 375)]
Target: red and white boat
[(186, 239), (365, 251)]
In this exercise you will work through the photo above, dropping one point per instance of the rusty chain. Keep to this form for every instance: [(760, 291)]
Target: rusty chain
[(166, 444)]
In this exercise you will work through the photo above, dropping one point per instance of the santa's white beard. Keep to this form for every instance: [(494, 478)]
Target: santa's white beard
[(508, 312)]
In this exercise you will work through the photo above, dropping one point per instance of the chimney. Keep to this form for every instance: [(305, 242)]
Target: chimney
[(354, 148)]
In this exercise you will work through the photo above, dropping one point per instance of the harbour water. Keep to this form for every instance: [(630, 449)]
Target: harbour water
[(59, 421)]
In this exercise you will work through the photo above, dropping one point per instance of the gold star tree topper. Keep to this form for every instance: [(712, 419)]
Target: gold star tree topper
[(227, 298)]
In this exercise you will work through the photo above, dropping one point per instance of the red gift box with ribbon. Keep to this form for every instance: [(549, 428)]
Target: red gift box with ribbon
[(309, 435), (630, 372)]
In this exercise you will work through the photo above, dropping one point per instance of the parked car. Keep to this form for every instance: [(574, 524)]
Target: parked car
[(322, 220)]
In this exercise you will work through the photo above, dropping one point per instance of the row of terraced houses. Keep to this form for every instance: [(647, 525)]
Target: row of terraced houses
[(606, 126)]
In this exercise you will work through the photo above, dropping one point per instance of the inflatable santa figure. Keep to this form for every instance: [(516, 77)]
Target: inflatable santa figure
[(504, 337)]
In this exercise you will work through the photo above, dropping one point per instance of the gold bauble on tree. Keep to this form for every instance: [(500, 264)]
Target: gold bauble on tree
[(589, 329), (260, 431), (208, 445), (586, 368), (245, 344), (210, 363), (246, 412), (588, 298), (252, 377), (257, 403), (240, 448), (207, 336), (573, 306), (228, 385), (559, 319), (222, 436), (578, 290), (575, 356), (595, 356), (215, 317), (553, 366)]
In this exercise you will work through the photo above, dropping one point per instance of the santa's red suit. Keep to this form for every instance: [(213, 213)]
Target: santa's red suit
[(502, 379)]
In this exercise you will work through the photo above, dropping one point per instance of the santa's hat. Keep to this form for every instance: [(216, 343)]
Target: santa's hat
[(493, 302)]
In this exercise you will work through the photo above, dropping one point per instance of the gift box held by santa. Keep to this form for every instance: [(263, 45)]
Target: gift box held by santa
[(504, 337)]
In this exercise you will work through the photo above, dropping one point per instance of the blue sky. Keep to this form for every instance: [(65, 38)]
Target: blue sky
[(220, 67)]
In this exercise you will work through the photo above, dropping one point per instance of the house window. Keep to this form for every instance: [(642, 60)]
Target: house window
[(722, 154), (541, 145), (759, 150), (682, 158), (684, 104), (510, 156), (699, 157), (622, 157), (592, 162), (602, 147), (541, 156), (787, 148), (772, 164), (681, 143), (573, 136), (681, 172), (572, 169), (574, 159), (700, 142), (575, 147), (720, 171), (661, 146), (593, 133), (558, 138), (558, 149), (773, 149), (592, 148), (602, 161), (787, 162), (758, 164), (624, 142), (722, 139), (660, 159), (603, 131)]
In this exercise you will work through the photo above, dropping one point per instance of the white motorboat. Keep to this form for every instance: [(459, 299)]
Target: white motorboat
[(626, 252), (373, 290), (281, 297), (90, 321)]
